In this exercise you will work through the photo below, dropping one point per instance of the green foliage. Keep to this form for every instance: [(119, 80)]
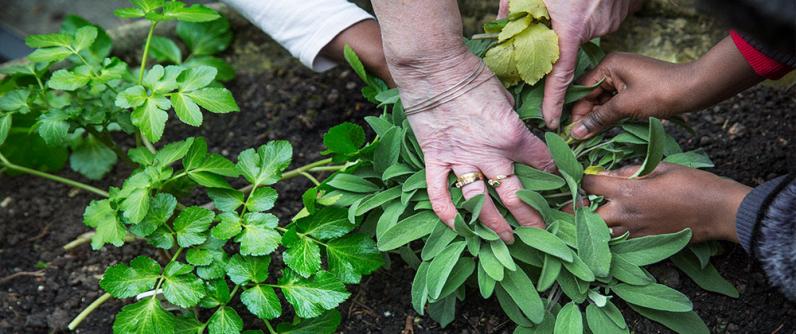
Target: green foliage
[(574, 256), (93, 94)]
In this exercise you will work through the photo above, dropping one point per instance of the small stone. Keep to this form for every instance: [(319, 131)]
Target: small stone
[(40, 288), (6, 201), (387, 314), (736, 130), (704, 140)]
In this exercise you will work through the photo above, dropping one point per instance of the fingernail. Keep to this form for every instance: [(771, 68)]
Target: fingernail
[(553, 124), (580, 131), (507, 236)]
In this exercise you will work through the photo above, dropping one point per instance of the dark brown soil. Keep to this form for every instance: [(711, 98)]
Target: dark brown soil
[(747, 136)]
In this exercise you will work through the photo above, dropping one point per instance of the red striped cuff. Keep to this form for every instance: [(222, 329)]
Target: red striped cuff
[(761, 64)]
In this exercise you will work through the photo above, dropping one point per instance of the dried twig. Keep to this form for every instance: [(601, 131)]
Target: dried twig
[(9, 278), (409, 325)]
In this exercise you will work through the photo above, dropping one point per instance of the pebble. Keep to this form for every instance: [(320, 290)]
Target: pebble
[(736, 130), (387, 314), (6, 201)]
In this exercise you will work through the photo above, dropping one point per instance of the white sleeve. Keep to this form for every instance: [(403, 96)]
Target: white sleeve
[(303, 27)]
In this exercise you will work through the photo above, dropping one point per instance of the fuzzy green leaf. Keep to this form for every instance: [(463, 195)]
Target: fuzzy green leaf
[(545, 242), (691, 159), (657, 136), (655, 296), (569, 320), (680, 322), (520, 287), (599, 321), (441, 267), (408, 229), (707, 278), (652, 249), (593, 236), (564, 157), (353, 183)]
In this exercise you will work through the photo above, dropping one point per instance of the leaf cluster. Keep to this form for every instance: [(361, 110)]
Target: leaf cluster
[(225, 250), (72, 94), (575, 256)]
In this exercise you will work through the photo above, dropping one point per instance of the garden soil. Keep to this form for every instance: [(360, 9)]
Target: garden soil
[(748, 137)]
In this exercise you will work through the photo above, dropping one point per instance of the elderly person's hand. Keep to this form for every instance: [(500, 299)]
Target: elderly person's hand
[(575, 22), (474, 131)]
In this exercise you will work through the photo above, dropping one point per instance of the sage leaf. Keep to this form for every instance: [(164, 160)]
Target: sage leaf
[(441, 267), (657, 136), (655, 296), (534, 179), (593, 236), (550, 271), (569, 320), (408, 229), (544, 241), (599, 322), (563, 156), (707, 278), (652, 249), (352, 183), (520, 288), (680, 322)]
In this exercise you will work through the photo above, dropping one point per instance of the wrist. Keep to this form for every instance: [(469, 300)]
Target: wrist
[(734, 196)]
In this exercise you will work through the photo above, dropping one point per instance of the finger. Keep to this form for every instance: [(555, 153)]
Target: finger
[(438, 194), (507, 191), (532, 151), (558, 81), (600, 118), (612, 214), (617, 230), (601, 185), (624, 172), (490, 215), (503, 9)]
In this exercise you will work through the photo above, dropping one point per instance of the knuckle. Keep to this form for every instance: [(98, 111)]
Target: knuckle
[(472, 191), (444, 211)]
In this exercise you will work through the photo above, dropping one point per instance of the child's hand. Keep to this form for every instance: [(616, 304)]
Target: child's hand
[(670, 199), (634, 86), (640, 87)]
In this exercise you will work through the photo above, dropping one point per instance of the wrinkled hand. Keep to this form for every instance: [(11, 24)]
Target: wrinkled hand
[(670, 199), (478, 131), (575, 22), (634, 86)]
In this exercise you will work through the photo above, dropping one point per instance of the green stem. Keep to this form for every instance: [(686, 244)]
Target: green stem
[(82, 316), (146, 52), (311, 178), (593, 148), (7, 164), (327, 168), (270, 329), (163, 276), (148, 145), (307, 167), (303, 235)]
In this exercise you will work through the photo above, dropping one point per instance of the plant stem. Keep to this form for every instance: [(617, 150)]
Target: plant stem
[(270, 329), (146, 52), (327, 168), (82, 316), (148, 145), (311, 178), (7, 164), (296, 172)]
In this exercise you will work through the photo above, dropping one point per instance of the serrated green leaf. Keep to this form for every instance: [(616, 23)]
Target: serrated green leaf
[(145, 316), (265, 166), (242, 269), (123, 281), (513, 28), (353, 256), (311, 297), (302, 255), (102, 217), (258, 236), (225, 321), (53, 127), (48, 55), (500, 59), (262, 301), (132, 97), (173, 152), (216, 100), (191, 226), (89, 157), (151, 117), (655, 296), (651, 249), (15, 100), (129, 13), (206, 38), (163, 49), (84, 38), (325, 324), (327, 223), (5, 127), (345, 138), (262, 199), (184, 290), (535, 52), (195, 13), (185, 108), (64, 79), (226, 199)]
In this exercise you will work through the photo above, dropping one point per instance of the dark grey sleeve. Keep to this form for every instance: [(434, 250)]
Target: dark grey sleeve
[(766, 225)]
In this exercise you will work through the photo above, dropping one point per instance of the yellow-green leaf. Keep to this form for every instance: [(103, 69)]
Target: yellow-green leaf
[(514, 27), (500, 60), (534, 8), (535, 51)]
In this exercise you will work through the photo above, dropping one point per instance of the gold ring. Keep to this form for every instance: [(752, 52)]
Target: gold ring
[(496, 182), (468, 178)]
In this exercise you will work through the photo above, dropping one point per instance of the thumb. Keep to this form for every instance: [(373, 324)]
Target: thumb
[(557, 82), (503, 9), (600, 117)]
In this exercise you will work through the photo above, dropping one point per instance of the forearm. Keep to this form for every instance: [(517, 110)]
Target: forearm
[(718, 75), (365, 38), (417, 32)]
